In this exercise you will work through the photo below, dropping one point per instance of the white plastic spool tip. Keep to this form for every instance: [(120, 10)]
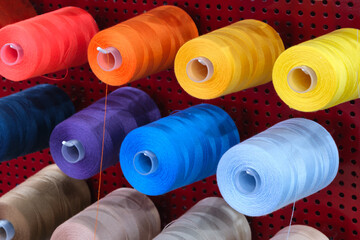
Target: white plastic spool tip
[(199, 69), (145, 162), (247, 181), (7, 231), (109, 58), (11, 54), (73, 151), (302, 79)]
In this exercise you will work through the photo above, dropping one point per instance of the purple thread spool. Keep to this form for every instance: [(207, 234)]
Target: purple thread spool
[(75, 144)]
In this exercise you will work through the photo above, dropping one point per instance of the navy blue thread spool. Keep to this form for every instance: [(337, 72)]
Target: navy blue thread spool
[(177, 150), (28, 117)]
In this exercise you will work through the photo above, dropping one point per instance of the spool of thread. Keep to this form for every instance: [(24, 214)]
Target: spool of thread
[(299, 232), (140, 46), (76, 143), (12, 11), (46, 43), (228, 60), (211, 218), (123, 214), (33, 209), (289, 161), (177, 150), (320, 73), (28, 117)]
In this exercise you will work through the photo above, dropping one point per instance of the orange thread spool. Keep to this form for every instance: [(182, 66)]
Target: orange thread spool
[(47, 43), (140, 46), (12, 11)]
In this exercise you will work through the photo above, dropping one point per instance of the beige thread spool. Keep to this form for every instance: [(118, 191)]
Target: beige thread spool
[(123, 214), (210, 219), (37, 206), (299, 232)]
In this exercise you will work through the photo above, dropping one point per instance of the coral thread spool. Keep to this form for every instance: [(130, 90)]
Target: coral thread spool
[(46, 43)]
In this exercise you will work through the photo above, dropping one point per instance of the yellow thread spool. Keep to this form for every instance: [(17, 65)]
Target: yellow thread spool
[(228, 60), (319, 73)]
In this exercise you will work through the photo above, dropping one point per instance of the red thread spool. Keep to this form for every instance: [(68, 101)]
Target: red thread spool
[(12, 11), (47, 43), (140, 46)]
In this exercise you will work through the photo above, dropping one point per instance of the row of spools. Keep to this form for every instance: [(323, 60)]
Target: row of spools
[(311, 76), (123, 214), (290, 160), (255, 177)]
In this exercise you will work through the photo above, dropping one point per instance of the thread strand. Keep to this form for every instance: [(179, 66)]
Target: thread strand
[(101, 161)]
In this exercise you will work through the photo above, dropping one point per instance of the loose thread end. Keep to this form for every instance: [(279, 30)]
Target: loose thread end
[(102, 50)]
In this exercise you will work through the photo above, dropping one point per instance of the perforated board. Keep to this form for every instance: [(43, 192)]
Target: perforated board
[(334, 210)]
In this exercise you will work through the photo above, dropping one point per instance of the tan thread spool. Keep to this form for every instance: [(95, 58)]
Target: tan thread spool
[(210, 219), (41, 203), (299, 232), (123, 214)]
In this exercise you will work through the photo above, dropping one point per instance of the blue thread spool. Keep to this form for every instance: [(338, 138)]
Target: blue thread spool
[(289, 161), (177, 150)]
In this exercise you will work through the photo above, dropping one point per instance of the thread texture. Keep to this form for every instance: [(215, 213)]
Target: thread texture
[(335, 60), (12, 11), (242, 55), (123, 214), (289, 161), (211, 218), (146, 43), (49, 42), (41, 203), (28, 117), (127, 109), (299, 232), (177, 150)]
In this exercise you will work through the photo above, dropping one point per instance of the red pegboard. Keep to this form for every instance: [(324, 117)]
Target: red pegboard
[(334, 210)]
